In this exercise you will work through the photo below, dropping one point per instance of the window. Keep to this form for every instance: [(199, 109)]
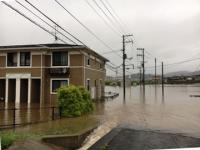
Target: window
[(24, 58), (56, 84), (60, 59), (88, 61), (12, 59), (100, 65), (88, 84)]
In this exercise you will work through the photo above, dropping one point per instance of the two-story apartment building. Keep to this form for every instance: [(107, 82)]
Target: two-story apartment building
[(33, 73)]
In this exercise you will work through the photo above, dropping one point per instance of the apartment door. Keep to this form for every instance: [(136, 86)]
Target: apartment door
[(11, 90), (3, 89), (23, 90), (18, 88)]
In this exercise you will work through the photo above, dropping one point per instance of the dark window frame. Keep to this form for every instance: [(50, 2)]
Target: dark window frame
[(59, 84), (88, 61), (25, 59), (88, 84), (10, 59), (60, 58)]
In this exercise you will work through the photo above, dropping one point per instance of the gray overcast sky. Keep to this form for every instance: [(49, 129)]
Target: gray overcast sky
[(168, 29)]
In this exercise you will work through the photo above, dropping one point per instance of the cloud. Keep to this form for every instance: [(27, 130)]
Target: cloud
[(170, 30)]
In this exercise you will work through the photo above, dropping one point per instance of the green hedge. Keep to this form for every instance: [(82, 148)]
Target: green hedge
[(74, 101)]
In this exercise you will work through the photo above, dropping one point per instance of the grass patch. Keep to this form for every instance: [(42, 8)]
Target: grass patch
[(9, 137), (37, 131)]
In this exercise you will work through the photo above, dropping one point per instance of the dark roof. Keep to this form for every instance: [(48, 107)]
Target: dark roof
[(39, 45), (52, 45)]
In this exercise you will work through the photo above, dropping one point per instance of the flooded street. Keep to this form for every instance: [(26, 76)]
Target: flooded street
[(176, 112)]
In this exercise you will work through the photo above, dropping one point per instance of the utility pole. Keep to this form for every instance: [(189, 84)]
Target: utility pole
[(155, 72), (123, 64), (143, 79), (162, 79), (124, 57), (143, 65), (140, 76)]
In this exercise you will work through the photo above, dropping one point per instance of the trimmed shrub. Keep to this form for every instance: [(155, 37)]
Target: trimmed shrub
[(74, 101), (87, 102)]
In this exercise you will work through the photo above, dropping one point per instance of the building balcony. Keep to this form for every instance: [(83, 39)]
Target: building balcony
[(59, 71)]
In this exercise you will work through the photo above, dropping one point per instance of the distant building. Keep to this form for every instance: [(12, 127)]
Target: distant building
[(33, 73)]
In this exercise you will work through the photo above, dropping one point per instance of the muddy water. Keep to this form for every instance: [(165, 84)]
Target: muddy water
[(176, 111)]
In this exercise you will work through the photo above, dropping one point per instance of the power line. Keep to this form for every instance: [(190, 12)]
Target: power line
[(44, 21), (112, 15), (91, 32), (34, 22), (105, 14), (59, 25), (115, 13), (114, 51), (55, 23), (115, 31), (176, 63)]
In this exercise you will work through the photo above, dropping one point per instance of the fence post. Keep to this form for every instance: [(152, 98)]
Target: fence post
[(60, 109), (14, 117), (52, 113)]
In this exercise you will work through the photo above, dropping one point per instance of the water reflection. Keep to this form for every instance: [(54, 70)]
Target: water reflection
[(172, 110), (22, 113), (155, 94)]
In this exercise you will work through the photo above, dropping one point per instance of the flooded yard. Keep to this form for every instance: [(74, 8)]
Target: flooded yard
[(175, 112)]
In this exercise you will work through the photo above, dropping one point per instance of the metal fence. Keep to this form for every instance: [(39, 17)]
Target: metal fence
[(12, 117)]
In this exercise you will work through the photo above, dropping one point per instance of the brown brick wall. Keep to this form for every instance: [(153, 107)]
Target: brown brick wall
[(76, 59), (35, 72), (36, 60), (2, 61), (48, 60), (95, 75), (76, 76), (94, 63), (2, 72)]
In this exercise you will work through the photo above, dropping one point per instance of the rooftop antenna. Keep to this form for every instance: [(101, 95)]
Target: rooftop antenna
[(55, 34)]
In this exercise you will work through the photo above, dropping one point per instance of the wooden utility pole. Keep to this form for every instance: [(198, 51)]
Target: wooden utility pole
[(143, 79), (140, 76), (124, 57), (143, 65), (123, 64), (162, 79), (155, 72)]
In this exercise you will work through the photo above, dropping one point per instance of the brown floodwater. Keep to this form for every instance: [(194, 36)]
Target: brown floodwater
[(175, 112)]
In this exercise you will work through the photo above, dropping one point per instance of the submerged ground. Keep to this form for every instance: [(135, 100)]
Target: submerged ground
[(176, 112)]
